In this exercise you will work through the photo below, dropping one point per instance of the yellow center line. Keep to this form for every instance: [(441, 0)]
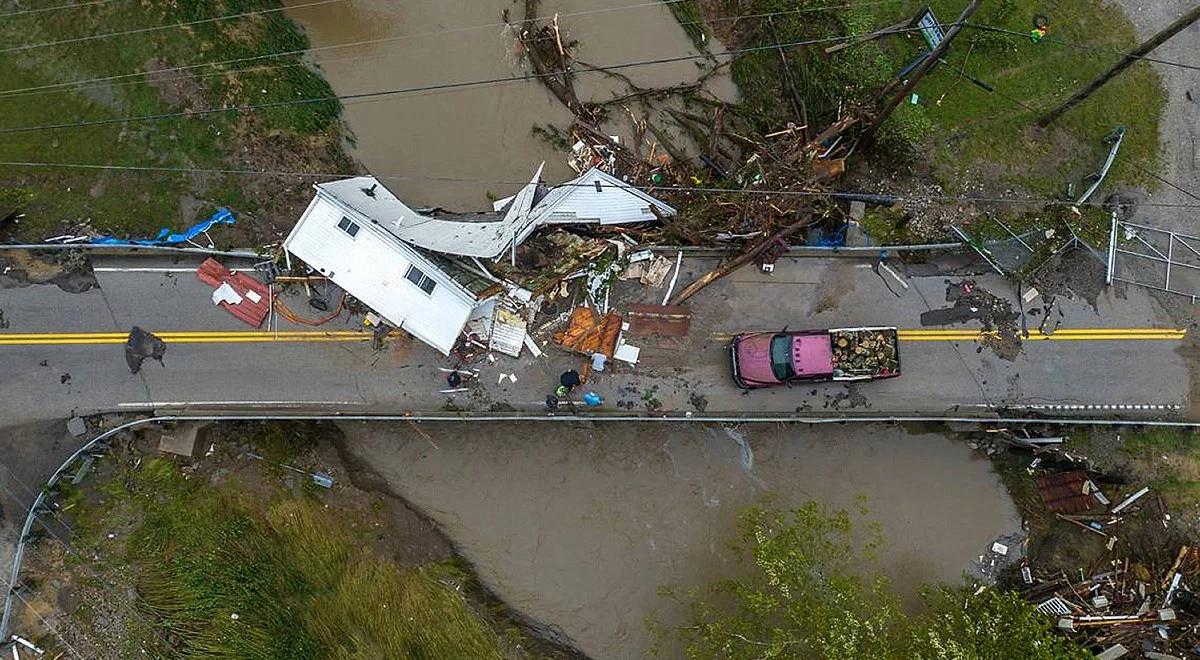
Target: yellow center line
[(1062, 334), (185, 337), (321, 336)]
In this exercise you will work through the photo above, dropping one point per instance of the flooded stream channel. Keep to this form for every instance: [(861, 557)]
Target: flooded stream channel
[(450, 148), (578, 526)]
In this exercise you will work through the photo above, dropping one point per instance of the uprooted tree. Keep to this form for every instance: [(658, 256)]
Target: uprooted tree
[(801, 591)]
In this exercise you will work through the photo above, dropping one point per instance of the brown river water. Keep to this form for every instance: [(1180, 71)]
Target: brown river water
[(577, 526), (449, 148)]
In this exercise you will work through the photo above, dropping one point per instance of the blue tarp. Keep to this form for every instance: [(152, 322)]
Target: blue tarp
[(223, 216)]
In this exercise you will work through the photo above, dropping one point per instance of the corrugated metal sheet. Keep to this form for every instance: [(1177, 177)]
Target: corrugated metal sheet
[(251, 312), (371, 266), (576, 201), (1062, 492)]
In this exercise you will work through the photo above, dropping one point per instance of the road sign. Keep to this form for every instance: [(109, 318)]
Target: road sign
[(931, 30)]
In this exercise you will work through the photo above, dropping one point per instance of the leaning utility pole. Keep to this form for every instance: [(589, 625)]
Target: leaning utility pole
[(922, 68), (1134, 55)]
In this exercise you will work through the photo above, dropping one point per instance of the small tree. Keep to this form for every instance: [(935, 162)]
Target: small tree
[(991, 624), (800, 596), (806, 593)]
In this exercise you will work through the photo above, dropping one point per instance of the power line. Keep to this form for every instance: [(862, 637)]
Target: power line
[(156, 28), (13, 589), (83, 560), (448, 179), (1081, 46), (423, 88), (73, 5), (381, 40)]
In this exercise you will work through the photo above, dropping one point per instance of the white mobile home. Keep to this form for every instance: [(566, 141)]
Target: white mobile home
[(340, 236), (365, 240)]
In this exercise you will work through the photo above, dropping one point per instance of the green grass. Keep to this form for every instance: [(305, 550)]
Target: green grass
[(139, 203), (1171, 458), (225, 577), (971, 136)]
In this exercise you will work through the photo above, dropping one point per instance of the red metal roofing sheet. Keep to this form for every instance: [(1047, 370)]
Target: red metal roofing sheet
[(214, 274)]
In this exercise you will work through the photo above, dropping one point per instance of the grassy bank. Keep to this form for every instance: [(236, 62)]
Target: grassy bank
[(232, 557), (972, 139), (46, 55)]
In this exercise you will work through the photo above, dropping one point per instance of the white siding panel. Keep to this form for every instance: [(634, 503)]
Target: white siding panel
[(371, 267)]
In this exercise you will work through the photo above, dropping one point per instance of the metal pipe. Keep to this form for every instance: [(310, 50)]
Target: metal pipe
[(1112, 250)]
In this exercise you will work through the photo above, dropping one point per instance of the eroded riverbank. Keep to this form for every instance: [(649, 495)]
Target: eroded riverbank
[(578, 527)]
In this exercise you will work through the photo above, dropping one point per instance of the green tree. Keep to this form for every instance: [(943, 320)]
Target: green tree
[(799, 597), (806, 589), (991, 624)]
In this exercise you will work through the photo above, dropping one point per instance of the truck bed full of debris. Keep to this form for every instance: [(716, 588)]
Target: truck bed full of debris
[(864, 352)]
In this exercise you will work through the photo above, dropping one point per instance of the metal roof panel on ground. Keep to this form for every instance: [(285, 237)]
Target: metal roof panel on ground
[(595, 197)]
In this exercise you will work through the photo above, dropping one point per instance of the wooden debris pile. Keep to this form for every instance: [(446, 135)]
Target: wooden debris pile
[(1126, 606), (689, 147), (864, 352)]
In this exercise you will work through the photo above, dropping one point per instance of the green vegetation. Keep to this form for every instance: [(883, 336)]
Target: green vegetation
[(971, 136), (690, 15), (1170, 457), (36, 89), (803, 595), (223, 576)]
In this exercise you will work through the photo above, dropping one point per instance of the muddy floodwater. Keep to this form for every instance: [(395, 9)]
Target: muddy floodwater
[(578, 526), (451, 147)]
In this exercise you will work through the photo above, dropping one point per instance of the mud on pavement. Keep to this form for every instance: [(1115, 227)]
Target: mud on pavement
[(69, 270)]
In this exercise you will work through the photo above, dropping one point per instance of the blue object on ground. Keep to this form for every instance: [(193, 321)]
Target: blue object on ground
[(592, 399), (223, 216)]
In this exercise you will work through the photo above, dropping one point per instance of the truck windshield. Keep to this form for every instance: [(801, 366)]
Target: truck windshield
[(781, 357)]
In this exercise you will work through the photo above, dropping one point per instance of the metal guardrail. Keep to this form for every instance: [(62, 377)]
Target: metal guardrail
[(131, 250), (88, 447)]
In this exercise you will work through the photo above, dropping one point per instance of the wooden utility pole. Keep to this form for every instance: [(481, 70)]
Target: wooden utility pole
[(1134, 55), (922, 68)]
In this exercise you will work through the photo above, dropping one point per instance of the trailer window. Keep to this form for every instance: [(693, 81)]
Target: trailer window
[(781, 357)]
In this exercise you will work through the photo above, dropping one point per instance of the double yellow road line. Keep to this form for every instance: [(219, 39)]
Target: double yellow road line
[(1062, 334), (183, 337), (325, 336)]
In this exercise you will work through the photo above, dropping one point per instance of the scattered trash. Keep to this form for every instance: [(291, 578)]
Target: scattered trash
[(1130, 500), (999, 548), (167, 237)]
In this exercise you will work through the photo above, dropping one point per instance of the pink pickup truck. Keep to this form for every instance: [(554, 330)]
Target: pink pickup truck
[(765, 359)]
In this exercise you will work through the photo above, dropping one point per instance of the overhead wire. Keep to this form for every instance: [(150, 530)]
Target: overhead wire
[(70, 550), (362, 96), (681, 189), (42, 10), (382, 40), (1081, 46), (13, 589), (495, 81), (157, 28)]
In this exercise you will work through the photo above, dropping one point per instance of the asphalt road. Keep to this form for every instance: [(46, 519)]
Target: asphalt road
[(45, 379)]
